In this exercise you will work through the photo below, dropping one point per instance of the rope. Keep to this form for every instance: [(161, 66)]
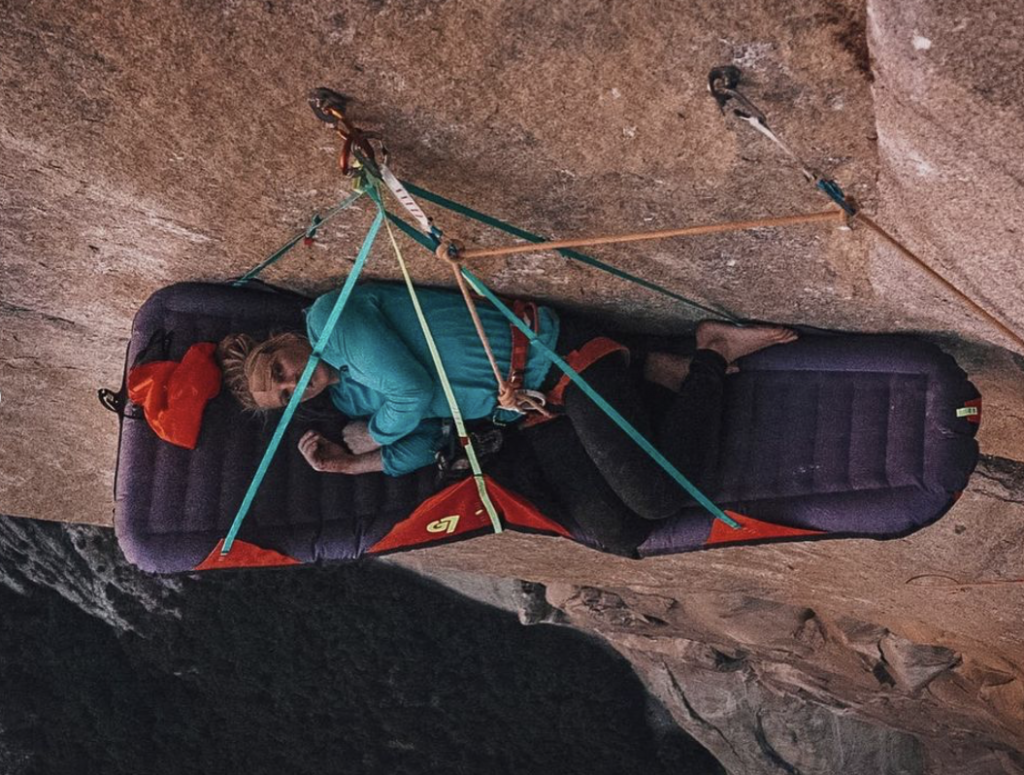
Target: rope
[(460, 426), (300, 387), (309, 233), (510, 398), (689, 231), (831, 189), (573, 255), (907, 252), (596, 397)]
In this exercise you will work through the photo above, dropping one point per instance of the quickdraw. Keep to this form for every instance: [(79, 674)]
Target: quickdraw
[(722, 83), (357, 152), (329, 106)]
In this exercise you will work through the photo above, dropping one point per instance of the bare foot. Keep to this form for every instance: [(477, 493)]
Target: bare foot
[(733, 342)]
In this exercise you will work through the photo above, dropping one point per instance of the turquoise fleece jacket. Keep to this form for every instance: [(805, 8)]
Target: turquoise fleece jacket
[(388, 376)]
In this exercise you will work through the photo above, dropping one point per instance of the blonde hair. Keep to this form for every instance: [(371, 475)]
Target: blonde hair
[(240, 356)]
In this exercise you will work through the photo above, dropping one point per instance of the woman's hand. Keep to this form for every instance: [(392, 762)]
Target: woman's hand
[(357, 437), (324, 455)]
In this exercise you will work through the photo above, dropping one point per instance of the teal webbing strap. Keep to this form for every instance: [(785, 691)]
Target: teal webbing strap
[(303, 382), (413, 232), (576, 256), (607, 408), (316, 223)]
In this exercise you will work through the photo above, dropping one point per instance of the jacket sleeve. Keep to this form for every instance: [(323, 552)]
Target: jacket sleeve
[(378, 358), (414, 450)]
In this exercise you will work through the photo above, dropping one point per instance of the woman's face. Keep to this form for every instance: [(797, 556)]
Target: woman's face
[(276, 373)]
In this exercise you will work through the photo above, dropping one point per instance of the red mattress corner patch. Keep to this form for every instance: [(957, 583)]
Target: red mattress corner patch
[(972, 416), (244, 555), (752, 530), (457, 510)]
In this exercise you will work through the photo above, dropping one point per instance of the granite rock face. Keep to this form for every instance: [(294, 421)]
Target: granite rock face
[(853, 656), (83, 564), (146, 144)]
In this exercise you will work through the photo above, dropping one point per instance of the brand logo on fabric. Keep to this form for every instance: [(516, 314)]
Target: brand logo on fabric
[(444, 525)]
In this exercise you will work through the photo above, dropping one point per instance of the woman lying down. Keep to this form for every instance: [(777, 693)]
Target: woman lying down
[(377, 369)]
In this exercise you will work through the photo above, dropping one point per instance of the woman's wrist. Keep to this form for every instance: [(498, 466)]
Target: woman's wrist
[(366, 463)]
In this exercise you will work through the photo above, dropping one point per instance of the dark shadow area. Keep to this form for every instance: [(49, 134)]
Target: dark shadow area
[(349, 669)]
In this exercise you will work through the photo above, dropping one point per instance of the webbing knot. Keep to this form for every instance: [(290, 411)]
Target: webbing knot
[(521, 400), (310, 237), (450, 250)]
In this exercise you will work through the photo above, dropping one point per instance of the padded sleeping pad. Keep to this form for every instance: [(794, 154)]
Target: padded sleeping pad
[(850, 435), (174, 505)]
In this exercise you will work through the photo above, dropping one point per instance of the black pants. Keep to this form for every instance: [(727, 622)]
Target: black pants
[(609, 486), (685, 431)]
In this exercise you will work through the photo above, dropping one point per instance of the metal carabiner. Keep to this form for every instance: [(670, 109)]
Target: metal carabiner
[(329, 106), (722, 83)]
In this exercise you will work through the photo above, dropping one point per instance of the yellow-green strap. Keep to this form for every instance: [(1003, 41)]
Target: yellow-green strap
[(449, 394)]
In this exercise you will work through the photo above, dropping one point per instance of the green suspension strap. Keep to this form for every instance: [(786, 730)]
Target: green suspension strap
[(309, 233), (596, 397), (508, 228), (303, 382), (550, 354)]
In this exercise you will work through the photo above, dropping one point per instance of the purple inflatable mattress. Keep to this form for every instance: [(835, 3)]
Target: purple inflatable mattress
[(841, 435)]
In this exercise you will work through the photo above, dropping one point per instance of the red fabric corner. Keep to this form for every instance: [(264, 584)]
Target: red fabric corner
[(752, 530), (519, 512), (173, 395), (457, 510), (975, 418), (244, 555), (453, 511)]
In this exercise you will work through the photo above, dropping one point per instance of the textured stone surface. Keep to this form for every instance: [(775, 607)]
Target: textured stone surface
[(900, 656), (148, 143), (84, 565)]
